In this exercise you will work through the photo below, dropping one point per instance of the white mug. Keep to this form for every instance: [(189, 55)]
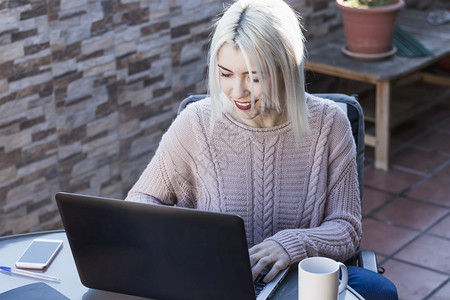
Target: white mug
[(318, 279)]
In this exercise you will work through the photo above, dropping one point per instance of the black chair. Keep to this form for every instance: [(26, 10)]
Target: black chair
[(350, 105)]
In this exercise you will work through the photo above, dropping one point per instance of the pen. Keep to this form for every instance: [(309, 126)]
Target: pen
[(29, 274)]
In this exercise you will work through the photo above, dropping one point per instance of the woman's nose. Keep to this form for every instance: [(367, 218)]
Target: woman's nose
[(240, 89)]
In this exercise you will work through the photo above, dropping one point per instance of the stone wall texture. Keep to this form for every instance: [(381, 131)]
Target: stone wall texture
[(87, 88)]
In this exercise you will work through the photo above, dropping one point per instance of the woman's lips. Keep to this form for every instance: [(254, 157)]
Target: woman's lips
[(244, 105)]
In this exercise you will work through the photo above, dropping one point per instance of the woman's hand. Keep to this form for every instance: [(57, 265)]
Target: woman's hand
[(268, 253)]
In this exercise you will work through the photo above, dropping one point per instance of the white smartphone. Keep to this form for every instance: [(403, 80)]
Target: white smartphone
[(39, 254)]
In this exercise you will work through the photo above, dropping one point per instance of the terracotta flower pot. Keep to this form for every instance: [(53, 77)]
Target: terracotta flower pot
[(369, 30)]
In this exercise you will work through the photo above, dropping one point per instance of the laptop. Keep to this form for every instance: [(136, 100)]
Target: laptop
[(158, 252)]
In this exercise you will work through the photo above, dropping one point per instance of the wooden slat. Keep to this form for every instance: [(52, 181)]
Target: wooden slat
[(370, 140), (436, 79), (407, 100)]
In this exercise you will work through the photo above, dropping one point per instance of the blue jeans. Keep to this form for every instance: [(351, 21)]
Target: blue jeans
[(371, 285)]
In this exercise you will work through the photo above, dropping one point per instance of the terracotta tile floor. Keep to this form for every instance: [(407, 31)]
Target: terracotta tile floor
[(407, 209)]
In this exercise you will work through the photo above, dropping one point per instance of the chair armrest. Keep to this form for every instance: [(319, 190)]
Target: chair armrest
[(368, 260)]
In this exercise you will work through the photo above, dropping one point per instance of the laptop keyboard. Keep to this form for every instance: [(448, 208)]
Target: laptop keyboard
[(259, 282)]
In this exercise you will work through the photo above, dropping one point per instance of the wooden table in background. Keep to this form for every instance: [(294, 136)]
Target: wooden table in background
[(325, 56)]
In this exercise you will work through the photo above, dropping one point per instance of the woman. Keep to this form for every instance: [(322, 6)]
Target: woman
[(261, 148)]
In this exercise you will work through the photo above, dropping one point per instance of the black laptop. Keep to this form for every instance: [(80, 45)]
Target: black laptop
[(158, 252)]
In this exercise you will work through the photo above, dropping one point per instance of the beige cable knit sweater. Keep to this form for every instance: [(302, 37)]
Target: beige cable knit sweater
[(304, 197)]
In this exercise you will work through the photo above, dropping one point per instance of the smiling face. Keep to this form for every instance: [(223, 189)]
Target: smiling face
[(236, 83)]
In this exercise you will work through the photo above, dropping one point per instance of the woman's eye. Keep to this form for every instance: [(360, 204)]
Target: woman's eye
[(225, 75)]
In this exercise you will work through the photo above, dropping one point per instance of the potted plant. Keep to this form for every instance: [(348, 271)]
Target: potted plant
[(369, 26)]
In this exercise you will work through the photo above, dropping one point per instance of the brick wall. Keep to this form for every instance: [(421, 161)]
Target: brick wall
[(87, 87)]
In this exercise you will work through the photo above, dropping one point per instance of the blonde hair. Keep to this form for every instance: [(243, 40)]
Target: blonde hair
[(269, 33)]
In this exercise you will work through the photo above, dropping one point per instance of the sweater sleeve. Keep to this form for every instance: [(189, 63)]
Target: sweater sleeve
[(168, 177), (335, 229)]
